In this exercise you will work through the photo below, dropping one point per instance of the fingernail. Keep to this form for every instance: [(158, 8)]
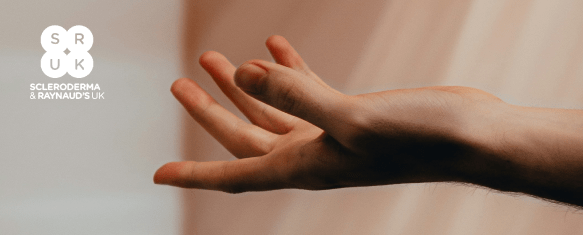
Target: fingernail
[(247, 75)]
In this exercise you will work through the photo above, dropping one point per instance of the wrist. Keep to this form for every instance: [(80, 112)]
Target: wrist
[(529, 150)]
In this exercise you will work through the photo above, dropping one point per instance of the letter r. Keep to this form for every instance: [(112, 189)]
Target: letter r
[(80, 39)]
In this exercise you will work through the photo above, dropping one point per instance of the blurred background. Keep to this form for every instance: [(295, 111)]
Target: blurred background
[(86, 166)]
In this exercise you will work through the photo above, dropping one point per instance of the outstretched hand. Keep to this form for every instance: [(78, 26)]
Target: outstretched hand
[(304, 134)]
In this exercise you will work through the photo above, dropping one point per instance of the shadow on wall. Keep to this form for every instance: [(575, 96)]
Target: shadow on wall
[(331, 35)]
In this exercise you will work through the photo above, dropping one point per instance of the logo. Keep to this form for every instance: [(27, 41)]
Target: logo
[(67, 51)]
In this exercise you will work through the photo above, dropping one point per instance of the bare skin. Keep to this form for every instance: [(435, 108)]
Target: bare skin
[(304, 134)]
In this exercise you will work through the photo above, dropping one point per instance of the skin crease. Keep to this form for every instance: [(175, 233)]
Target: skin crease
[(304, 134)]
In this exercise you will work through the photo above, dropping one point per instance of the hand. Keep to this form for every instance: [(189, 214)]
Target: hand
[(304, 134)]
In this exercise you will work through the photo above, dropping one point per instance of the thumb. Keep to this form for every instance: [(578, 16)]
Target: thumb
[(290, 91), (249, 174)]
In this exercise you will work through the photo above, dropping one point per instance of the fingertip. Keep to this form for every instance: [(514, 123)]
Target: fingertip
[(275, 40), (278, 46), (217, 65), (208, 57), (169, 173), (283, 53), (179, 85)]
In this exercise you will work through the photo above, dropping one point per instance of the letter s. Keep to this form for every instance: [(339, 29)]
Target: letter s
[(53, 37)]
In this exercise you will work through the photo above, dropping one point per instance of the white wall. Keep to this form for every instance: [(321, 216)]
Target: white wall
[(86, 166)]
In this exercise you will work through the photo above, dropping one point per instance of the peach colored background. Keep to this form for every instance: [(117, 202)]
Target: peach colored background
[(76, 167), (526, 52)]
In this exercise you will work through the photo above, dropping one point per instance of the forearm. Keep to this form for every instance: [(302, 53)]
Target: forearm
[(535, 151)]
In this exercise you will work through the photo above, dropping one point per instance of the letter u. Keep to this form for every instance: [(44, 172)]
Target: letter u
[(58, 64)]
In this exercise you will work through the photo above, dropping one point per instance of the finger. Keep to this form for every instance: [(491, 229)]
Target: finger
[(250, 174), (283, 53), (260, 114), (240, 138), (290, 91)]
